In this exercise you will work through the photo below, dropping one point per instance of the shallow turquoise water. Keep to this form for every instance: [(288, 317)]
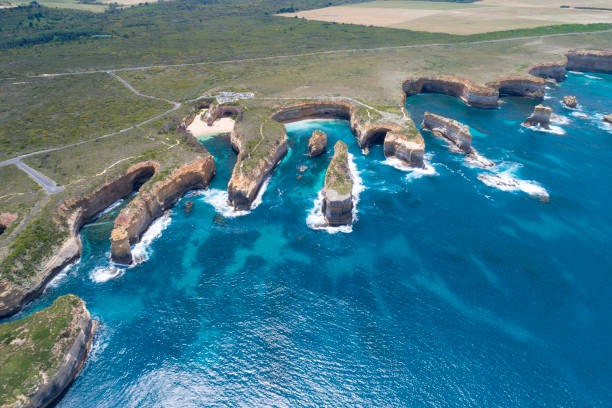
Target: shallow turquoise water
[(447, 292)]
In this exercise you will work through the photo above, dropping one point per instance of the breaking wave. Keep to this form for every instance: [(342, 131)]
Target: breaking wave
[(507, 181), (141, 251)]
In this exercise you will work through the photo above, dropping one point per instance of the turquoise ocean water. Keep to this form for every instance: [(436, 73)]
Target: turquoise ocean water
[(456, 285)]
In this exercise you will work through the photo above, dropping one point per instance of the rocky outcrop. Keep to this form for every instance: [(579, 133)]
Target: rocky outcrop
[(551, 70), (570, 101), (216, 111), (608, 118), (317, 144), (337, 191), (533, 88), (135, 218), (405, 146), (51, 356), (468, 92), (450, 129), (540, 117), (77, 212), (367, 125), (6, 219), (589, 61)]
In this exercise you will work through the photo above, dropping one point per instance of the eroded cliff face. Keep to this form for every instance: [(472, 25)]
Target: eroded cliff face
[(313, 110), (533, 88), (76, 212), (450, 129), (589, 61), (216, 111), (551, 70), (405, 146), (468, 92), (317, 144), (137, 216), (540, 117), (337, 190), (52, 346), (608, 118)]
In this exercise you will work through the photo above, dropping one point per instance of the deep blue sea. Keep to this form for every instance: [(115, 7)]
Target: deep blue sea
[(456, 286)]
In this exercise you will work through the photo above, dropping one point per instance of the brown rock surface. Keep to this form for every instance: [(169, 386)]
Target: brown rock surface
[(468, 92), (570, 101), (589, 61), (134, 219), (317, 144), (456, 132), (533, 87), (337, 190), (540, 117)]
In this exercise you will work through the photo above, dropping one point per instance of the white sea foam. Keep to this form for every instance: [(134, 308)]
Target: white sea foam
[(427, 170), (315, 219), (219, 199), (557, 130), (141, 251), (601, 123), (592, 76), (507, 181), (62, 275), (477, 160), (559, 119), (581, 115), (103, 274)]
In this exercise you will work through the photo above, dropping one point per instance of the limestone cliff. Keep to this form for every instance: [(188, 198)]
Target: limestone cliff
[(468, 92), (136, 217), (520, 86), (608, 118), (76, 212), (589, 61), (452, 130), (44, 352), (540, 117), (406, 146), (317, 144), (337, 190), (551, 70)]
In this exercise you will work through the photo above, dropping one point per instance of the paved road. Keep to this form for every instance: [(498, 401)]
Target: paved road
[(49, 185), (314, 53)]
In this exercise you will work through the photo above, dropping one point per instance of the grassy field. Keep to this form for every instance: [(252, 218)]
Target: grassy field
[(46, 112), (32, 349), (456, 18), (18, 195)]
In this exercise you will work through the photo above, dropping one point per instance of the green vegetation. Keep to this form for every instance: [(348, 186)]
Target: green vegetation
[(32, 348), (47, 112), (18, 194), (338, 176)]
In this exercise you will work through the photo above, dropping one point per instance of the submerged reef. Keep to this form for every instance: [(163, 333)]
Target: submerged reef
[(337, 190)]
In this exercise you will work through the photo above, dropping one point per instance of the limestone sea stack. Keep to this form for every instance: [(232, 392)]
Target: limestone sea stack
[(608, 118), (540, 117), (42, 353), (317, 144), (137, 216), (450, 129), (337, 190), (570, 101)]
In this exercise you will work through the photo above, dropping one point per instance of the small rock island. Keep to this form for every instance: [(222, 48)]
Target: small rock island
[(317, 144), (337, 191), (570, 101), (540, 117), (450, 129), (41, 354)]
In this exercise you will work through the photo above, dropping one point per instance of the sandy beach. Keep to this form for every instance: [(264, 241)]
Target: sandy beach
[(200, 129)]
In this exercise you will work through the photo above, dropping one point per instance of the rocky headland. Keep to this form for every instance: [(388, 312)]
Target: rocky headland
[(549, 70), (317, 144), (570, 101), (337, 191), (137, 216), (526, 87), (72, 214), (450, 129), (540, 117), (470, 93), (41, 354), (589, 61)]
